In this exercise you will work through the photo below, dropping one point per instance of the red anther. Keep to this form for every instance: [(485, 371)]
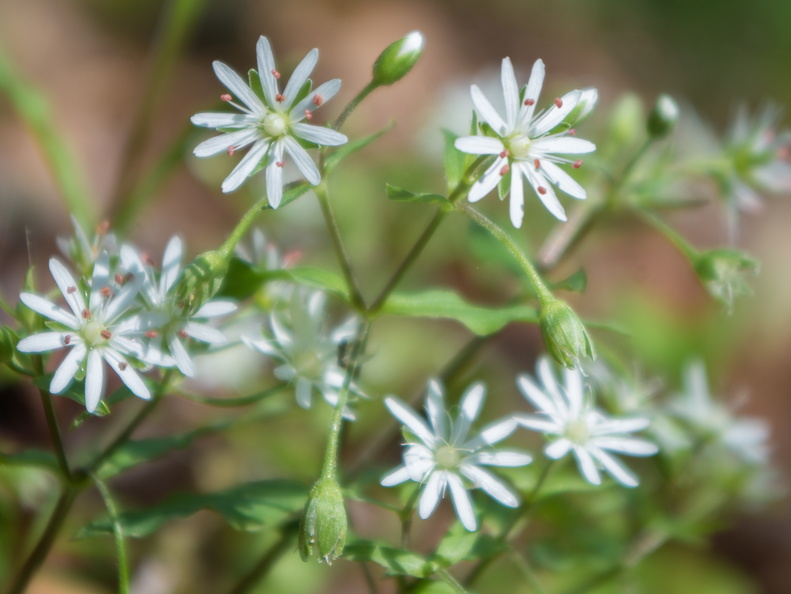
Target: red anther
[(577, 164), (275, 73), (541, 190), (105, 291), (318, 100), (530, 101), (226, 97), (67, 339), (537, 163), (122, 366), (308, 115), (149, 260), (151, 333), (280, 164), (572, 132), (505, 169), (119, 279), (105, 334), (291, 258), (86, 314), (558, 102), (128, 276), (182, 334), (280, 98), (71, 290), (504, 154), (231, 150), (102, 227)]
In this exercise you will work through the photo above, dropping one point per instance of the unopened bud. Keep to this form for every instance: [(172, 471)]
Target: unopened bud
[(564, 334), (663, 117), (201, 280), (322, 530), (723, 272), (397, 59)]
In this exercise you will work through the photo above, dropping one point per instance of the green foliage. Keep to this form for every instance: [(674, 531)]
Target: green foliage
[(396, 561), (353, 146), (402, 195)]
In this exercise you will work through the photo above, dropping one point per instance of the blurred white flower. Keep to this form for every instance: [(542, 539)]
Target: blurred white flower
[(271, 121), (565, 412), (524, 144), (442, 455)]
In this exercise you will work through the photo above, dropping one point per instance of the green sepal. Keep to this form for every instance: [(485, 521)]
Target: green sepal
[(74, 393), (352, 147), (254, 81), (576, 282)]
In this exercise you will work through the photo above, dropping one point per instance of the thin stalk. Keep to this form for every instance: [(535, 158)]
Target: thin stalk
[(544, 294), (265, 564), (118, 533), (446, 577), (670, 234), (234, 402), (244, 224), (352, 105), (567, 235), (52, 421)]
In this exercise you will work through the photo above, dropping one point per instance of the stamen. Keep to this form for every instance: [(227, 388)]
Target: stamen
[(151, 333), (529, 102), (505, 169), (537, 163), (505, 154), (558, 102), (231, 150), (182, 334), (572, 132), (106, 292), (103, 227), (149, 260), (275, 73), (541, 190), (280, 164), (226, 97), (119, 280), (128, 276), (280, 98), (67, 339), (71, 290), (105, 334), (577, 164), (86, 314), (318, 100), (122, 366), (308, 115)]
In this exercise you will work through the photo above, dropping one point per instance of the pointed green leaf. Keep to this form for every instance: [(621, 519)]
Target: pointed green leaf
[(395, 561), (454, 160), (249, 507), (402, 195), (443, 303), (37, 458), (576, 282), (352, 147)]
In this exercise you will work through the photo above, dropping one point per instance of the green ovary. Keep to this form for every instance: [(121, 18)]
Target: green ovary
[(519, 146), (92, 334), (447, 457), (274, 124), (577, 431)]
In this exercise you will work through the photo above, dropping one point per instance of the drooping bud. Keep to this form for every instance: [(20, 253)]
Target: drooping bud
[(397, 59), (322, 529), (201, 280), (663, 117), (564, 334), (723, 272)]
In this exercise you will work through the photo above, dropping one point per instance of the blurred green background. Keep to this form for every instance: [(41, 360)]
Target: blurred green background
[(90, 58)]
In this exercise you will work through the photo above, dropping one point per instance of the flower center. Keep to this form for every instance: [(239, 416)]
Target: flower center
[(94, 334), (308, 365), (447, 457), (519, 146), (274, 124), (577, 431)]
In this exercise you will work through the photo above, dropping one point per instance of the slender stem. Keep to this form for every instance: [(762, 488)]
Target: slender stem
[(542, 292), (567, 235), (340, 251), (260, 569), (352, 105), (39, 554), (52, 421), (234, 402), (670, 234), (451, 581), (118, 533), (244, 224)]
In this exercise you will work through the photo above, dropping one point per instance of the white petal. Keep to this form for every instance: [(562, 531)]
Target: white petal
[(171, 264), (404, 413), (274, 176), (587, 466), (546, 194), (238, 88), (326, 91), (555, 115), (50, 310), (246, 166), (626, 445), (299, 77), (127, 373), (517, 200), (319, 134), (535, 395), (563, 180), (461, 501), (487, 112), (304, 392), (575, 391), (67, 286), (220, 144), (470, 408), (619, 472), (302, 160), (266, 64), (45, 341), (500, 458), (621, 425), (94, 380), (395, 477), (479, 145), (510, 92), (487, 182), (563, 145), (435, 409), (183, 361), (539, 424), (64, 375), (205, 333), (558, 448), (123, 300), (489, 483), (493, 433), (432, 492), (216, 308), (532, 91), (223, 120)]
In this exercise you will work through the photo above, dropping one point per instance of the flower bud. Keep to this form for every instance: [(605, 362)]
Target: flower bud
[(322, 529), (663, 117), (397, 59), (201, 280), (723, 272), (564, 334)]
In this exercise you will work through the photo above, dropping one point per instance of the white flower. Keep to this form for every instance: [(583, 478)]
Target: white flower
[(443, 456), (83, 252), (272, 123), (523, 143), (100, 329), (713, 421), (309, 355), (169, 324), (566, 413)]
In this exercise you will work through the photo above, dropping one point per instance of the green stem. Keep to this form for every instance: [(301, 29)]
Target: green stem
[(118, 533), (451, 581), (340, 251), (352, 105), (34, 111), (244, 224), (52, 421), (567, 235), (670, 234), (542, 292), (265, 564), (177, 21), (234, 402)]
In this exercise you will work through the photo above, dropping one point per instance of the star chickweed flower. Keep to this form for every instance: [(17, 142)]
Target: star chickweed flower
[(442, 455), (528, 144), (103, 329), (271, 121), (309, 355), (172, 323), (565, 412)]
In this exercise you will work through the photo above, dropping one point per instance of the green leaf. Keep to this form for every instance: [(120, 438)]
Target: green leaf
[(76, 393), (293, 192), (242, 280), (402, 195), (317, 278), (395, 561), (248, 507), (576, 282), (445, 304), (37, 458), (352, 147), (461, 545), (454, 160)]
